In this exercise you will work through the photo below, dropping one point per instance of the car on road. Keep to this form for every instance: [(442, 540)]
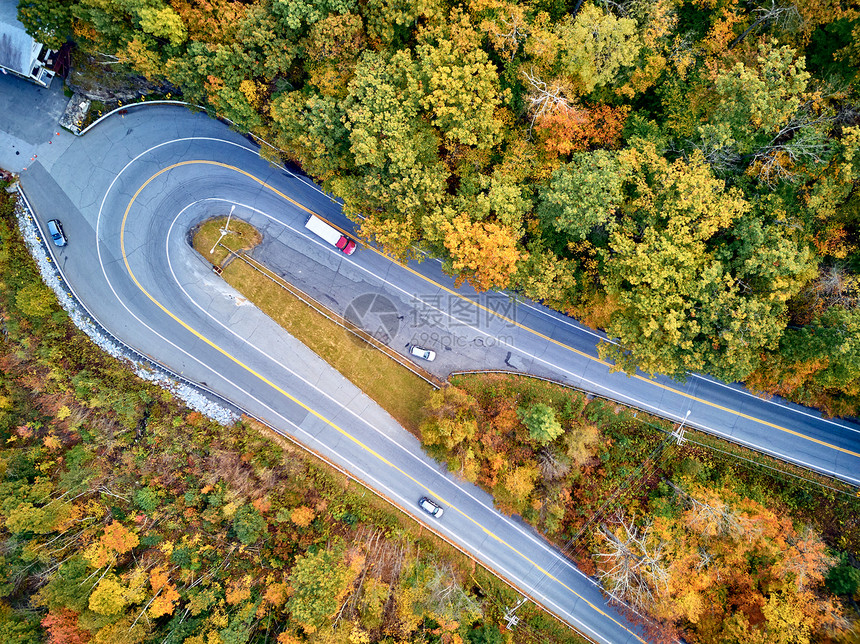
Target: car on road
[(430, 507), (421, 352), (55, 229)]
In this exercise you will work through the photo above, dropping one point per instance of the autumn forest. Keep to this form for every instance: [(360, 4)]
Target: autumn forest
[(679, 173), (683, 174)]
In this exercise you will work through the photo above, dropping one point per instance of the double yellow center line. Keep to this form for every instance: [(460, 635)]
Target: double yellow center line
[(352, 438)]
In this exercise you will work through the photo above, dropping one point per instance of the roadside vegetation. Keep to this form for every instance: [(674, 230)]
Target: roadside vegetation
[(680, 173), (126, 518), (217, 241), (395, 388), (714, 543), (704, 538)]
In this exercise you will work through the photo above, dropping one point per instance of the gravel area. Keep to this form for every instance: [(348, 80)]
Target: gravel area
[(76, 111), (192, 395)]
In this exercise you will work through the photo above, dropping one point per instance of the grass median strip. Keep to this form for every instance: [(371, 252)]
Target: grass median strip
[(394, 387)]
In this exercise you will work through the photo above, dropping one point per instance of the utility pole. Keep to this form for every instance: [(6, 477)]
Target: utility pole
[(678, 434), (510, 614), (224, 230)]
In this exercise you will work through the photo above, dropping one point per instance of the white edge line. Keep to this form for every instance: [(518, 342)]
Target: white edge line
[(558, 556)]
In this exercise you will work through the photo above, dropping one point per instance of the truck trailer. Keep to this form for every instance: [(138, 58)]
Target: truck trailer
[(330, 234)]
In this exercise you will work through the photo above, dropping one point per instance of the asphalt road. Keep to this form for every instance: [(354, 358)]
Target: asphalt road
[(127, 194), (130, 189)]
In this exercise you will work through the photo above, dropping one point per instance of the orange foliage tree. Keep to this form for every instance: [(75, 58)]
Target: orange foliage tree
[(62, 627), (118, 538), (722, 545), (166, 595), (574, 128)]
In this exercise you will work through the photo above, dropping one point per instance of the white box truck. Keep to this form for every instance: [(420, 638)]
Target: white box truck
[(330, 234)]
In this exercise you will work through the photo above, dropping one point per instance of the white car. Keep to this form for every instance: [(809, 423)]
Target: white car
[(430, 507), (424, 354)]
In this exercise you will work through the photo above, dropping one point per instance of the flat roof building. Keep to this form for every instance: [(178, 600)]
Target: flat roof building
[(19, 52)]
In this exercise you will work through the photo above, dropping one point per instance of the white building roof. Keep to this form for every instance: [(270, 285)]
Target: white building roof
[(18, 50)]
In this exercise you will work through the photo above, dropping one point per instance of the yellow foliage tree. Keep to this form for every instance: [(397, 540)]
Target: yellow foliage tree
[(302, 516), (108, 598), (485, 254), (166, 594)]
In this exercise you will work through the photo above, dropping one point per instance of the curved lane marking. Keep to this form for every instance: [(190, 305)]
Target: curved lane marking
[(569, 348), (559, 560), (509, 320), (290, 397), (610, 366)]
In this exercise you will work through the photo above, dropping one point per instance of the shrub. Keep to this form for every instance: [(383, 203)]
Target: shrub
[(541, 422), (248, 525), (843, 579)]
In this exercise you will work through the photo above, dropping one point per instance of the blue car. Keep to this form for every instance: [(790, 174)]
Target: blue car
[(55, 229)]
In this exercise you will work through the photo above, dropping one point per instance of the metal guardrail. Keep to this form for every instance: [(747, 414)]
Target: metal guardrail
[(666, 416), (339, 320), (137, 356), (130, 106), (686, 421), (133, 355)]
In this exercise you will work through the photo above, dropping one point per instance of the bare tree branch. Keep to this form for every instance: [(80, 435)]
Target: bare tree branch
[(782, 16), (633, 569)]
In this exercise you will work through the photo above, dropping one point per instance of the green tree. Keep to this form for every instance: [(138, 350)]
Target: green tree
[(310, 128), (332, 48), (699, 283), (319, 581), (19, 627), (399, 177), (596, 46), (248, 524), (265, 40), (296, 14), (756, 101), (374, 596), (541, 421), (830, 344), (485, 634), (390, 21), (336, 39), (460, 86), (110, 25), (162, 22), (124, 631), (843, 579), (583, 194), (146, 498), (40, 520), (48, 21), (546, 277), (767, 118), (68, 588)]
